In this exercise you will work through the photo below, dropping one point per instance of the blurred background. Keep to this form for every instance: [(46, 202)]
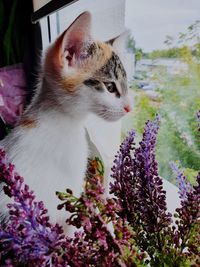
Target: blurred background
[(165, 39)]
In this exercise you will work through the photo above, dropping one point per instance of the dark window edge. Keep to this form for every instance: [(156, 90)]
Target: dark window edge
[(49, 8)]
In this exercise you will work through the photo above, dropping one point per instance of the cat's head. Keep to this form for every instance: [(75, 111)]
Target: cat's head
[(86, 76)]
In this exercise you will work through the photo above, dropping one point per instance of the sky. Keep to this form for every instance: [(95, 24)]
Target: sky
[(151, 20)]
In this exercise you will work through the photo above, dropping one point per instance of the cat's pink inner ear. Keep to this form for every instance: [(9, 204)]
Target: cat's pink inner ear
[(76, 39)]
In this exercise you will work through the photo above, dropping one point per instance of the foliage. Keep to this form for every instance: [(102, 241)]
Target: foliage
[(185, 45), (138, 187), (99, 244), (192, 34), (29, 239), (169, 40), (173, 52), (178, 139), (131, 228), (13, 30), (143, 110), (139, 190), (185, 53), (179, 98), (137, 51), (29, 236)]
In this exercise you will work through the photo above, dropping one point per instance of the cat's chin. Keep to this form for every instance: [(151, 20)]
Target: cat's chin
[(110, 118), (113, 119)]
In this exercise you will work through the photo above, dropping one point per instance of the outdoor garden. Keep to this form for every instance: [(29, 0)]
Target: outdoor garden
[(168, 84)]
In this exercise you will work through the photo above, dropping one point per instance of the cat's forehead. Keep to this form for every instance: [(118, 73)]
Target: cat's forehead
[(113, 68)]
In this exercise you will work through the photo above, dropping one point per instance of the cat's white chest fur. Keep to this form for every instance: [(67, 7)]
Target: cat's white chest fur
[(51, 157)]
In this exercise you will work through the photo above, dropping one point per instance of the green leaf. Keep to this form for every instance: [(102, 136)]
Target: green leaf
[(7, 42), (2, 14)]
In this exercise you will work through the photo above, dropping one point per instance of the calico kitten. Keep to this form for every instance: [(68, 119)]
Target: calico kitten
[(49, 148)]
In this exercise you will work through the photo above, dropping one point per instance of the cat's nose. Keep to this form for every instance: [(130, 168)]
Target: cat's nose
[(127, 108)]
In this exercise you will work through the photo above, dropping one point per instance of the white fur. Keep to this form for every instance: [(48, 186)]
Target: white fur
[(51, 157)]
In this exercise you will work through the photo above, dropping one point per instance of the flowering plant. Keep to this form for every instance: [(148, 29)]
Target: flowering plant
[(130, 228), (12, 93)]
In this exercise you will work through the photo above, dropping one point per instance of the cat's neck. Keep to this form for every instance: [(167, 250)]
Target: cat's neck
[(44, 100), (50, 103)]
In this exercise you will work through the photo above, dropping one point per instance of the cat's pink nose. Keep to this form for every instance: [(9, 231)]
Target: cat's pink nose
[(127, 108)]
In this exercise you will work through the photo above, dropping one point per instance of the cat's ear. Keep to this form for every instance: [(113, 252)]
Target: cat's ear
[(74, 42), (119, 44)]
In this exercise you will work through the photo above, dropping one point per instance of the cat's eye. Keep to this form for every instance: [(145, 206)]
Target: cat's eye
[(111, 87)]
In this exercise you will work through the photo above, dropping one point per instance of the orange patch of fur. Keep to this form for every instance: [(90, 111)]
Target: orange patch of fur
[(28, 123), (53, 65), (88, 67)]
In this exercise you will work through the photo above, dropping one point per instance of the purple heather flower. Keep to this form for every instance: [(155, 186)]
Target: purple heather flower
[(136, 182), (96, 245), (28, 235), (122, 172), (187, 235), (184, 186), (139, 190), (141, 231)]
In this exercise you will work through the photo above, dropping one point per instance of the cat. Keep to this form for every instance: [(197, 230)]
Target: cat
[(48, 147)]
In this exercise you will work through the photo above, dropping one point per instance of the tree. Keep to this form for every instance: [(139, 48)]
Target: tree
[(137, 51), (169, 40)]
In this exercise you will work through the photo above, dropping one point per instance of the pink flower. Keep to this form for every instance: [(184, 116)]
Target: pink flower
[(12, 93)]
